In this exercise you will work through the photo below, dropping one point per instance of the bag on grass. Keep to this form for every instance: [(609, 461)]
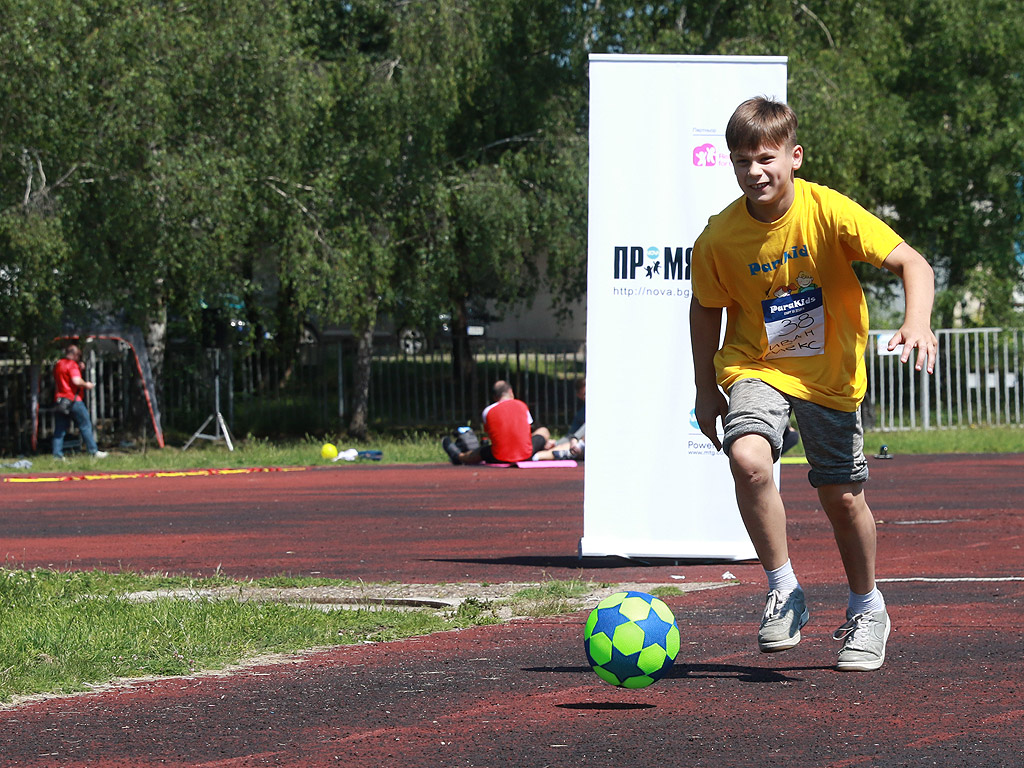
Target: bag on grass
[(466, 439)]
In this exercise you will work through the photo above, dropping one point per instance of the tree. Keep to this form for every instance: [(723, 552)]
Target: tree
[(510, 197), (420, 199), (38, 167), (962, 86), (915, 109)]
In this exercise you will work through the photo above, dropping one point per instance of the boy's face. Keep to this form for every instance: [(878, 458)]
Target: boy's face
[(766, 177)]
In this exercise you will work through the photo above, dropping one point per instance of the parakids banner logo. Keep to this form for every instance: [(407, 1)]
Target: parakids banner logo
[(709, 156), (658, 265)]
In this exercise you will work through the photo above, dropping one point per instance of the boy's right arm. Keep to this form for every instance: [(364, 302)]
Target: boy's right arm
[(705, 331)]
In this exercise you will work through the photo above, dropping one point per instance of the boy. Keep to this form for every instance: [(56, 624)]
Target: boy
[(779, 260)]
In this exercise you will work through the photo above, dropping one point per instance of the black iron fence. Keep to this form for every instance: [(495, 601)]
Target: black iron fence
[(978, 381), (263, 395)]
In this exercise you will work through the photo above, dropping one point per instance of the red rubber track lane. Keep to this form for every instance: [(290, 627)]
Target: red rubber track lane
[(950, 693)]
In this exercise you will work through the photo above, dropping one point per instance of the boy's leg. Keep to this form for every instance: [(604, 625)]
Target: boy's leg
[(853, 526), (754, 426), (867, 626), (833, 443), (759, 500), (764, 516)]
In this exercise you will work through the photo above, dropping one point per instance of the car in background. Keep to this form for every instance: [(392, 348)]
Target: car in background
[(413, 340)]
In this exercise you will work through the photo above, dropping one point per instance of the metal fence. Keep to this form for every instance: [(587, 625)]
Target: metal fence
[(266, 396), (978, 381)]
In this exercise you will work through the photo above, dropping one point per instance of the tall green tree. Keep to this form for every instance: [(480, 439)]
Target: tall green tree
[(511, 193), (436, 180), (912, 108), (42, 160), (963, 87)]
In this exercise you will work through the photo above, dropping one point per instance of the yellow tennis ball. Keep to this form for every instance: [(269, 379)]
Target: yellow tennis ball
[(328, 451)]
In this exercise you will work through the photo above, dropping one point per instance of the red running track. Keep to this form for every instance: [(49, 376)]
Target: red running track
[(950, 693)]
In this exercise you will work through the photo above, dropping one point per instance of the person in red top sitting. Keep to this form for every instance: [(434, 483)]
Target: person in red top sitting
[(509, 426), (69, 383)]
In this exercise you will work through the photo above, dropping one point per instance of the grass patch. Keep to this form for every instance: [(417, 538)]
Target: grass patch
[(71, 631), (919, 441), (549, 599), (665, 592), (422, 447), (411, 448)]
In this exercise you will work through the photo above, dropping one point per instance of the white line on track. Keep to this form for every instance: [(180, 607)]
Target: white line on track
[(956, 578)]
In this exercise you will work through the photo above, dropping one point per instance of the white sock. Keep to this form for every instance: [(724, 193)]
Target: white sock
[(872, 601), (782, 578)]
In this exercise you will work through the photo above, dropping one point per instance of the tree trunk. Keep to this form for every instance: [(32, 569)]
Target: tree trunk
[(358, 425), (156, 345)]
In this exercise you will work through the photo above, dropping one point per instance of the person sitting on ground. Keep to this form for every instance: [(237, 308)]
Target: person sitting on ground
[(573, 445), (509, 427)]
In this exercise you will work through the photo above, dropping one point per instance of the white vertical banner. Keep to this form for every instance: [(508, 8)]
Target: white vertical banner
[(659, 167)]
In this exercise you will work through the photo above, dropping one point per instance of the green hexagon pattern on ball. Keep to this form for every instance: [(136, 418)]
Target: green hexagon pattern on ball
[(631, 639)]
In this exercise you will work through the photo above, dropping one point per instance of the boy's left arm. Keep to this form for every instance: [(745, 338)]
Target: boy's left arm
[(919, 289)]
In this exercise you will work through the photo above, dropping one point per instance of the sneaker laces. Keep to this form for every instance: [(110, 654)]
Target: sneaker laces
[(853, 630), (773, 606)]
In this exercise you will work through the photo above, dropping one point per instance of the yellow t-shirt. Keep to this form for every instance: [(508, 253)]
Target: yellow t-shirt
[(797, 318)]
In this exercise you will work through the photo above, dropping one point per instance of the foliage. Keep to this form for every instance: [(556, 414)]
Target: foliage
[(342, 162), (915, 109)]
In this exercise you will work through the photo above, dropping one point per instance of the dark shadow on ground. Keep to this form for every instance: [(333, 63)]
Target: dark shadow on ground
[(614, 561), (604, 705), (742, 673)]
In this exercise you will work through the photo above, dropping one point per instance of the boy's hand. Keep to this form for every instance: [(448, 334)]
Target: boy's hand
[(919, 289), (921, 338), (708, 408)]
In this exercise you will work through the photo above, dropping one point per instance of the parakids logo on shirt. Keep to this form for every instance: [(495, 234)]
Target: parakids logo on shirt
[(634, 262)]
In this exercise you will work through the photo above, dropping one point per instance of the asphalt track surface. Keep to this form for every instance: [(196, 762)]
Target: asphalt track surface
[(951, 692)]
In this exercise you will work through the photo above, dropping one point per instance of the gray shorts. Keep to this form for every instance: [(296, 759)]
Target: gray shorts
[(833, 440)]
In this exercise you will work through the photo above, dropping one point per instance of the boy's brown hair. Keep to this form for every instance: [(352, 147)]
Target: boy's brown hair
[(760, 121)]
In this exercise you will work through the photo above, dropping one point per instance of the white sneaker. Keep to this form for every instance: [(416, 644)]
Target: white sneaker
[(864, 637), (100, 455), (784, 617)]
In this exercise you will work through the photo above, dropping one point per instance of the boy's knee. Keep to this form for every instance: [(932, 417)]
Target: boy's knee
[(750, 458), (844, 501)]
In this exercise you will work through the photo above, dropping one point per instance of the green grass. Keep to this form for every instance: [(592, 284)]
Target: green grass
[(65, 632), (919, 441), (413, 448), (424, 448), (547, 599), (969, 440)]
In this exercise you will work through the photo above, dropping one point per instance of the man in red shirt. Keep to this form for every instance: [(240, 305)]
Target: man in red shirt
[(69, 385), (509, 425)]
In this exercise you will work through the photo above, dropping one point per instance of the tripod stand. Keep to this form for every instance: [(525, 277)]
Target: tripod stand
[(220, 427)]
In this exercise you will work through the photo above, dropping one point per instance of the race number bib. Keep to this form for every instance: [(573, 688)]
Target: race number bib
[(795, 325)]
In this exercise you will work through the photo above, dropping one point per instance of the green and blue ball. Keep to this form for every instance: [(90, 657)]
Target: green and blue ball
[(631, 639)]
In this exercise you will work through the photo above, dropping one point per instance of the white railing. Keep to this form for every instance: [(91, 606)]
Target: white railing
[(977, 381)]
